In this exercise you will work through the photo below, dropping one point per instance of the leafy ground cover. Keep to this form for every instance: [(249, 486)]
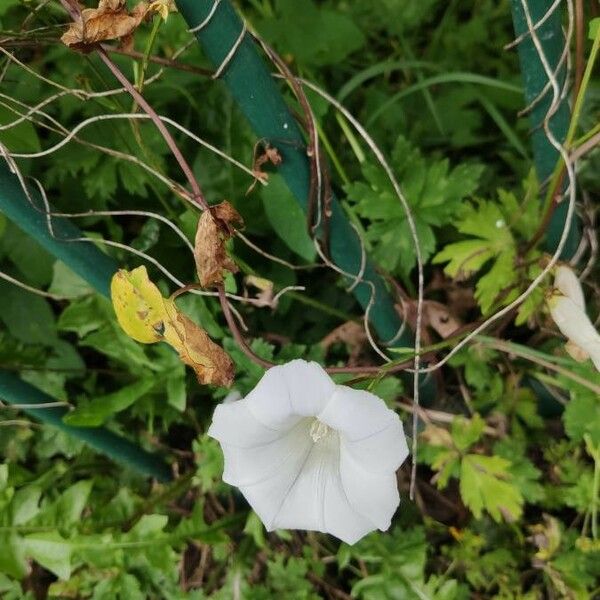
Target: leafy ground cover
[(507, 491)]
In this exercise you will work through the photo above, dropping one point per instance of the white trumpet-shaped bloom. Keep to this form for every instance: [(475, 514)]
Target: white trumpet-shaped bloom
[(567, 308), (310, 454)]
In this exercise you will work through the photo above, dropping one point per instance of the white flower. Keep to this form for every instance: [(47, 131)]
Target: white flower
[(310, 454), (567, 307)]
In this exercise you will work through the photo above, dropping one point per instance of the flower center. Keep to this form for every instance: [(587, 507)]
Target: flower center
[(318, 430)]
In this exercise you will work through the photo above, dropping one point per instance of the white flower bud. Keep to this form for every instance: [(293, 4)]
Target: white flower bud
[(567, 308)]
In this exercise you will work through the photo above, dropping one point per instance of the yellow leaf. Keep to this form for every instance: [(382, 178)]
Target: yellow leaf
[(147, 317), (162, 7), (140, 307)]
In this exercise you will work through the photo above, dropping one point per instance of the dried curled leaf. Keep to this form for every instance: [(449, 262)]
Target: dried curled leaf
[(209, 361), (111, 20), (147, 317), (215, 227), (264, 155)]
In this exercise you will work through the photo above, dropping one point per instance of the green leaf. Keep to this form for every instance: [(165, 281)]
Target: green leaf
[(25, 504), (433, 191), (12, 557), (493, 239), (297, 30), (98, 410), (67, 509), (286, 218), (582, 415), (32, 260), (112, 341), (67, 283), (85, 315), (499, 277), (464, 258), (148, 236), (21, 138), (50, 550), (255, 529), (594, 27), (7, 5), (466, 432), (176, 390), (485, 484), (28, 317)]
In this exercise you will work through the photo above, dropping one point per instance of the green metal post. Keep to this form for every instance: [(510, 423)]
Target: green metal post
[(535, 79), (16, 391), (95, 267), (258, 96)]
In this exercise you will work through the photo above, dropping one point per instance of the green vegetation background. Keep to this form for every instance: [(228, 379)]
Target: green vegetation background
[(508, 500)]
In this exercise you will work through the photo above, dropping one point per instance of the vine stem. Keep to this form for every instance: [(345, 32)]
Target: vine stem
[(197, 194), (237, 336)]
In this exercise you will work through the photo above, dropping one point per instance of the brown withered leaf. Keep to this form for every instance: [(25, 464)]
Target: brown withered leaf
[(111, 20), (268, 154), (575, 352), (352, 334), (436, 316), (210, 362), (215, 227), (440, 319)]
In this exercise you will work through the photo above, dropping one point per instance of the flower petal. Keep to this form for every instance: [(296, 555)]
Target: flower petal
[(575, 325), (341, 519), (303, 505), (317, 501), (369, 430), (267, 497), (235, 425), (250, 466), (356, 413), (298, 388), (374, 496), (567, 283)]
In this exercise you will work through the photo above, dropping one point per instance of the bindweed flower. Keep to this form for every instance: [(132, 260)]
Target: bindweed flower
[(567, 308), (310, 454)]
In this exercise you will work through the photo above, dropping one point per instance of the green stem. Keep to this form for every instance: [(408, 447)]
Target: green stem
[(577, 107), (147, 52), (595, 493)]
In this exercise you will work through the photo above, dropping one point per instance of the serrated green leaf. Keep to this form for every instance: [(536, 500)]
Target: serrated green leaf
[(582, 415), (498, 278), (464, 257), (485, 484), (466, 432), (433, 191)]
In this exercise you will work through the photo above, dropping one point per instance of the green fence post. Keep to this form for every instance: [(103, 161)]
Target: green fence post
[(535, 78), (96, 268)]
